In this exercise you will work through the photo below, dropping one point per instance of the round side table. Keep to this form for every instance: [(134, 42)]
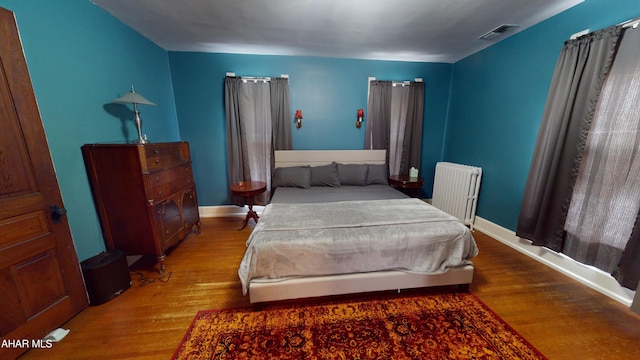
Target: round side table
[(249, 190), (409, 186)]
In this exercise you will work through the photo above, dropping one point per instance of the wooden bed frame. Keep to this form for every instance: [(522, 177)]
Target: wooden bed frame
[(307, 287)]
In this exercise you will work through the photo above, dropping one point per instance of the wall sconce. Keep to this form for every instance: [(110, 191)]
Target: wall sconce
[(134, 98), (298, 119), (360, 118)]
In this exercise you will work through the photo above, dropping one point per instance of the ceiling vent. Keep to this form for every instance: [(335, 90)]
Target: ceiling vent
[(497, 32)]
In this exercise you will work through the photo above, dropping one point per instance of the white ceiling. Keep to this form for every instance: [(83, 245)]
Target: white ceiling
[(406, 30)]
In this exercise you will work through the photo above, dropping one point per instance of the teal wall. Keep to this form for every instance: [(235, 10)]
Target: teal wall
[(498, 96), (80, 58), (484, 110), (328, 91)]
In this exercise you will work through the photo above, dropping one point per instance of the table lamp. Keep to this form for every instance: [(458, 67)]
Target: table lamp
[(134, 98)]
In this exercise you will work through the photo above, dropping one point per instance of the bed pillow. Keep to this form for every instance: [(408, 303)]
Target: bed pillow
[(377, 175), (353, 174), (295, 176), (325, 175)]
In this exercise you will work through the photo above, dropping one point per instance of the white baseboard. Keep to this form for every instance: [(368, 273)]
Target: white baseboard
[(585, 274), (227, 210)]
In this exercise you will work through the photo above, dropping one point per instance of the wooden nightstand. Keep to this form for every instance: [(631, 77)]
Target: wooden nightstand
[(407, 185), (249, 190)]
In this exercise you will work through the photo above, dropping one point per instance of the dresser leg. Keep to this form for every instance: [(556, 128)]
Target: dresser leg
[(162, 266)]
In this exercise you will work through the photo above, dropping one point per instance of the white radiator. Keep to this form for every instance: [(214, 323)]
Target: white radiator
[(455, 190)]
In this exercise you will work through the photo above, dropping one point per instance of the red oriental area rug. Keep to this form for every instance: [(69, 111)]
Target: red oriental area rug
[(424, 326)]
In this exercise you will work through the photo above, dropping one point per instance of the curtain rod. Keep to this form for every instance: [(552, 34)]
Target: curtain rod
[(397, 82), (405, 82), (256, 78), (630, 23)]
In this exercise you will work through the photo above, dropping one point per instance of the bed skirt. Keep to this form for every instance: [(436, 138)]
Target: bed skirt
[(308, 287)]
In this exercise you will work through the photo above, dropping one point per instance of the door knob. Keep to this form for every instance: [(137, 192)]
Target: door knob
[(57, 213)]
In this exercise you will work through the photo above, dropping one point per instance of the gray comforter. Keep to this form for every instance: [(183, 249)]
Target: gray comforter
[(297, 240)]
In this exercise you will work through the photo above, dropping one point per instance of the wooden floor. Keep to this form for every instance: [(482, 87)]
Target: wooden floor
[(560, 317)]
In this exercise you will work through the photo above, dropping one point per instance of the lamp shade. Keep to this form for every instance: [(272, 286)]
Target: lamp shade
[(132, 97)]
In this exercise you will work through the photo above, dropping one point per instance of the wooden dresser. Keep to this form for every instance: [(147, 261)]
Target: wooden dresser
[(145, 195)]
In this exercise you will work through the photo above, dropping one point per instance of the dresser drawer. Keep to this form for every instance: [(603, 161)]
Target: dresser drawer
[(162, 155), (163, 183)]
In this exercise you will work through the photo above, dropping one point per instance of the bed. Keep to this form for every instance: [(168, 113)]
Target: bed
[(334, 226)]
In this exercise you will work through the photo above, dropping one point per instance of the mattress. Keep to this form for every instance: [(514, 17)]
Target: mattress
[(316, 239)]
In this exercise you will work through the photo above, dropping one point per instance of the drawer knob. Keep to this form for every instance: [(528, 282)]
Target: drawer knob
[(157, 161)]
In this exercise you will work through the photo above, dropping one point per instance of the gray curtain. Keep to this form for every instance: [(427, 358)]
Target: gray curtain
[(236, 150), (258, 121), (606, 198), (575, 88), (378, 116), (628, 271), (255, 116), (281, 114), (383, 99), (397, 122), (412, 146)]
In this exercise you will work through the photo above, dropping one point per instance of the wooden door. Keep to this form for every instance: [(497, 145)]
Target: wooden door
[(41, 284)]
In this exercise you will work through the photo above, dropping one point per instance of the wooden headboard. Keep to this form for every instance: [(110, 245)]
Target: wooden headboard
[(287, 158)]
